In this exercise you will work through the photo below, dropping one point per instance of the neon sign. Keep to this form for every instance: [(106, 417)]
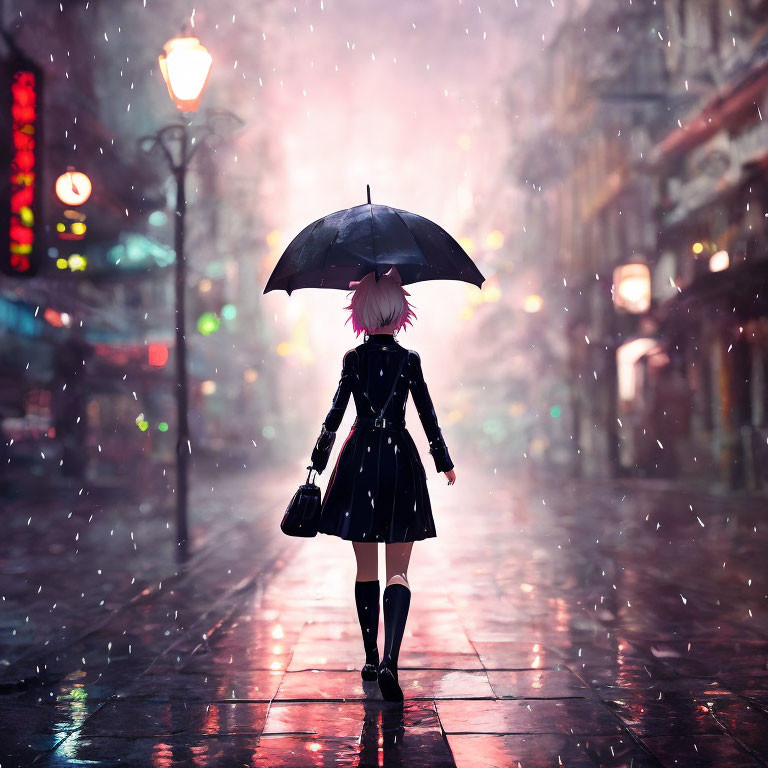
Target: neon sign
[(23, 170)]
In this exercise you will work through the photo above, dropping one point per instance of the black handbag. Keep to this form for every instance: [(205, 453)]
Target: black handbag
[(303, 513)]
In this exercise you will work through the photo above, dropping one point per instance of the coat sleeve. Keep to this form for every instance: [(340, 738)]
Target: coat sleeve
[(426, 411), (322, 450)]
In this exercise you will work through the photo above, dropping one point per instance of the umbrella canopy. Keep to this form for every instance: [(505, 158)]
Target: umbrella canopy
[(349, 244)]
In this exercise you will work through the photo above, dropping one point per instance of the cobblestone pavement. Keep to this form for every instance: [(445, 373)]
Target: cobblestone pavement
[(551, 624)]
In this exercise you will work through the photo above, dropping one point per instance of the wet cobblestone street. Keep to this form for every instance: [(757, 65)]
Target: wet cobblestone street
[(535, 638)]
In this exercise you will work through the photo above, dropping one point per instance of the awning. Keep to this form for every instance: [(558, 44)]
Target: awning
[(742, 290), (737, 101)]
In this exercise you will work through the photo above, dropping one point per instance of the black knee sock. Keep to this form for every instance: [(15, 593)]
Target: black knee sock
[(397, 599), (367, 601)]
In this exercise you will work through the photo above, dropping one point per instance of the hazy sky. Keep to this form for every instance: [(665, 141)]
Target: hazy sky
[(415, 99)]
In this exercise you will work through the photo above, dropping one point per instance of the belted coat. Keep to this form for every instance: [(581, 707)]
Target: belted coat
[(377, 491)]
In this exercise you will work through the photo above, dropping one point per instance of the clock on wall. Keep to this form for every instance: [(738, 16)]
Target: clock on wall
[(73, 187)]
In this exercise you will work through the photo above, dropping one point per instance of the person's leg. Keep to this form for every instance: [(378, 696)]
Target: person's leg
[(367, 555), (397, 600), (398, 558), (367, 602)]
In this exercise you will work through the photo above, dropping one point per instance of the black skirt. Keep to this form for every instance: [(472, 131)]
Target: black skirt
[(377, 491)]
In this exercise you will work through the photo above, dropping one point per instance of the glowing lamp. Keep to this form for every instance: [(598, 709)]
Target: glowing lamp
[(208, 387), (157, 218), (697, 248), (532, 304), (719, 261), (77, 263), (495, 240), (52, 317), (57, 319), (185, 65), (632, 288), (157, 355), (208, 323), (73, 187), (490, 292)]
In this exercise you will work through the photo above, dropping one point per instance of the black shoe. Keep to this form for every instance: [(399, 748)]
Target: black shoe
[(388, 684), (369, 672), (367, 601), (397, 600)]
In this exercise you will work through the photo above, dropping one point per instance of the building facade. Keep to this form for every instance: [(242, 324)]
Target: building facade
[(650, 153)]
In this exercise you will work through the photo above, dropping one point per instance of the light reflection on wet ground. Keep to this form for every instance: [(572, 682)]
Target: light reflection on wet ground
[(578, 626)]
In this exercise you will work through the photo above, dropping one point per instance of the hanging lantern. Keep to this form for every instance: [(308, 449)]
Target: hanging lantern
[(632, 288), (185, 64)]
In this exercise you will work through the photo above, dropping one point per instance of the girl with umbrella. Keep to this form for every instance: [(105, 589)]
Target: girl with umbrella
[(377, 492)]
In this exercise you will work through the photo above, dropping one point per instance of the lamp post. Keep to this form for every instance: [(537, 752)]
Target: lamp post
[(185, 65)]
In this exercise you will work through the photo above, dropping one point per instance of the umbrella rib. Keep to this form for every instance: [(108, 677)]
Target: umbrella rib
[(455, 259), (413, 237), (309, 237), (328, 253)]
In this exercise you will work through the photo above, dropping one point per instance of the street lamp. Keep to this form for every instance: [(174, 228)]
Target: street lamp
[(185, 65)]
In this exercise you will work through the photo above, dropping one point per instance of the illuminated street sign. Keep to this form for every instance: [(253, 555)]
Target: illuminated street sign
[(23, 171)]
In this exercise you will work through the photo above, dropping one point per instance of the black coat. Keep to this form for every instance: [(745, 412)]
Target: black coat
[(378, 488)]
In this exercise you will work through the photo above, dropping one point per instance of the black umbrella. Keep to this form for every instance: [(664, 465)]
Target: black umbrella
[(349, 244)]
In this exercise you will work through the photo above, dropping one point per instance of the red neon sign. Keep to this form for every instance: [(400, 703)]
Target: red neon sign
[(23, 170), (158, 355)]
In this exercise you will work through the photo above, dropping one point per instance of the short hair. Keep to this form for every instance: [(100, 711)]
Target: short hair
[(379, 302)]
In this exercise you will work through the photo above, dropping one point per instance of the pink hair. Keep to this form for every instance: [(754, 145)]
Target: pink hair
[(379, 303)]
